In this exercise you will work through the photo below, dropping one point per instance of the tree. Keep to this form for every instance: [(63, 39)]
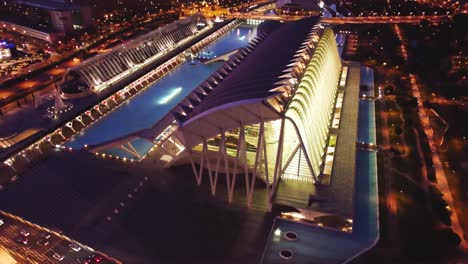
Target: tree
[(398, 130), (448, 239), (388, 90)]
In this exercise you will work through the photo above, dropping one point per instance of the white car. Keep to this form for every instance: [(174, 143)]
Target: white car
[(24, 233), (1, 222), (57, 256), (75, 247)]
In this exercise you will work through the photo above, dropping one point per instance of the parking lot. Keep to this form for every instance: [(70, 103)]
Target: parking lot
[(30, 243)]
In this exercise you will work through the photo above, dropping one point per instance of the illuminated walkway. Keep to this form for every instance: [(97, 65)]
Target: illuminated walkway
[(442, 182)]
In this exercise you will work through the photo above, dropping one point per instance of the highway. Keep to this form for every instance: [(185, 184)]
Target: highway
[(383, 19), (347, 20), (41, 243)]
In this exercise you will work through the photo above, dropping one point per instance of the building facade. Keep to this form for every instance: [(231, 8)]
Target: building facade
[(265, 117), (47, 15), (104, 70)]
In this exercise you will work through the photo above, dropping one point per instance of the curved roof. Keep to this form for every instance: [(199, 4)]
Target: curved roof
[(137, 42), (257, 74)]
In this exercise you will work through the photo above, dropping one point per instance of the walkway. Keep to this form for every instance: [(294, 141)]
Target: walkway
[(442, 183)]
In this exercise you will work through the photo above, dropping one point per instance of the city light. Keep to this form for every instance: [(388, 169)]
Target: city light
[(321, 4), (110, 111)]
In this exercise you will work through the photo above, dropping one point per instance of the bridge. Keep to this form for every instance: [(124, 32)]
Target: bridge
[(223, 57), (384, 19), (157, 135), (347, 20)]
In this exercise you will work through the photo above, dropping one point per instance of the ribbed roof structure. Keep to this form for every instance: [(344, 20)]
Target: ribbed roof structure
[(260, 69)]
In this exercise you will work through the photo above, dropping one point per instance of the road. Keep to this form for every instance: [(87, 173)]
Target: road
[(39, 79), (35, 252), (347, 20), (23, 88), (383, 19)]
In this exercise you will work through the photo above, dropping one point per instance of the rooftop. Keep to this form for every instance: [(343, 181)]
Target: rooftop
[(340, 193), (49, 4), (257, 74)]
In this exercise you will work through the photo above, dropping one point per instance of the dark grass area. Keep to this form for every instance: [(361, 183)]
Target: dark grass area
[(454, 155), (168, 220)]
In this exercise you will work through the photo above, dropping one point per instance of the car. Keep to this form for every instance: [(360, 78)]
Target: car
[(97, 259), (45, 235), (24, 233), (43, 241), (86, 260), (22, 240), (93, 259), (57, 256), (1, 222), (75, 247)]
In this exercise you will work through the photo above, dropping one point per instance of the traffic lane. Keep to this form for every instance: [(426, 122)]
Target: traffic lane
[(70, 255), (60, 69), (55, 245), (9, 234), (37, 80), (35, 251)]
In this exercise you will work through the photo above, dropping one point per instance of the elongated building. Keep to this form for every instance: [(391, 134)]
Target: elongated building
[(103, 70), (267, 112)]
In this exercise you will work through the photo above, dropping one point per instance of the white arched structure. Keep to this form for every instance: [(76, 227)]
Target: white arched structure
[(101, 71), (267, 122)]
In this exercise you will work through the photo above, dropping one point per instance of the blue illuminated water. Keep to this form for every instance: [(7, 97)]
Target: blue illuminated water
[(367, 108), (145, 109), (340, 41)]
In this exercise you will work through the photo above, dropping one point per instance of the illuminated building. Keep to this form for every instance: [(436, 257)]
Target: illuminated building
[(100, 72), (7, 50), (264, 116), (38, 18)]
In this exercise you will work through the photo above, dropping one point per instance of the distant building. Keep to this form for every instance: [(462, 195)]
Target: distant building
[(36, 32), (102, 71), (127, 7), (7, 50), (302, 7), (39, 18)]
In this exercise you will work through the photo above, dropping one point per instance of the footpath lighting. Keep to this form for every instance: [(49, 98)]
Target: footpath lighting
[(277, 232)]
